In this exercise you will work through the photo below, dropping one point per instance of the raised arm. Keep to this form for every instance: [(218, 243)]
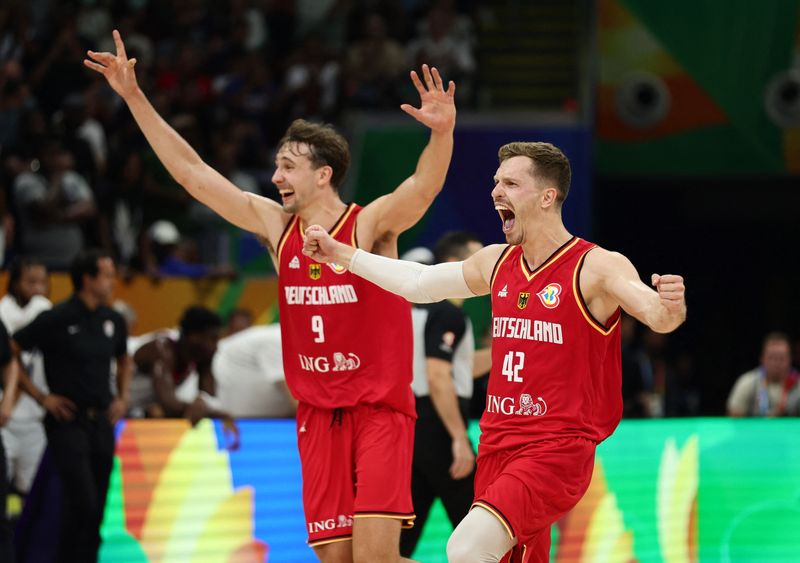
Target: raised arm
[(248, 211), (395, 212), (416, 282), (609, 279)]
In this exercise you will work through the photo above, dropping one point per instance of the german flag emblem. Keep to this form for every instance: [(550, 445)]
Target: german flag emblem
[(522, 300), (315, 271)]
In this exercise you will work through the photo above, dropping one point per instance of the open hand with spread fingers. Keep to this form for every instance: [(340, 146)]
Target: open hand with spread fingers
[(118, 69), (671, 291), (437, 106)]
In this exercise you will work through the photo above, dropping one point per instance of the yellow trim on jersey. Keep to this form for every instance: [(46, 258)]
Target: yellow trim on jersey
[(409, 517), (343, 220), (337, 226), (579, 300), (285, 237), (499, 263), (547, 263), (333, 540), (497, 515)]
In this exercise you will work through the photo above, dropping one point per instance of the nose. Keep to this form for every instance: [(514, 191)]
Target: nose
[(496, 191), (277, 177)]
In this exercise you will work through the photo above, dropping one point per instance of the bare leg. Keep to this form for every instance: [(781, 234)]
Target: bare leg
[(336, 552), (376, 540), (479, 538)]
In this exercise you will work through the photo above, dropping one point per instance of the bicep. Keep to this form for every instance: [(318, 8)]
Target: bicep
[(246, 210), (478, 268), (398, 211), (620, 283)]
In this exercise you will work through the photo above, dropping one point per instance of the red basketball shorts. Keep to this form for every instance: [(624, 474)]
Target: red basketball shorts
[(530, 488), (356, 463)]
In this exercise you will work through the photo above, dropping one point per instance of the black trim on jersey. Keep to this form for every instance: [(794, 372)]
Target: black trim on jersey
[(479, 501), (546, 263), (330, 539), (500, 260), (355, 233), (340, 220), (611, 319)]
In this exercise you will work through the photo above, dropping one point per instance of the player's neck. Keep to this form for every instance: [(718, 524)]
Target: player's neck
[(540, 243), (325, 211)]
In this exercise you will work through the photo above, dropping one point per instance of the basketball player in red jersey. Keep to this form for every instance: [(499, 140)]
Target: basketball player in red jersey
[(555, 386), (347, 344)]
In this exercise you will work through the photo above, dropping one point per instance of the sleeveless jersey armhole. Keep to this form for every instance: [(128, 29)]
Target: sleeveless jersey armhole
[(610, 324)]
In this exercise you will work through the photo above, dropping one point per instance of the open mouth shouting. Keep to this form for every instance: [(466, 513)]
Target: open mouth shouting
[(506, 215), (287, 196)]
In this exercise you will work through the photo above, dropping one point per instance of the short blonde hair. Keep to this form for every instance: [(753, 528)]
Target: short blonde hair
[(549, 164)]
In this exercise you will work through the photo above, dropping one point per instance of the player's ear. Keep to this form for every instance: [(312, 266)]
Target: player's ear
[(324, 175), (549, 197)]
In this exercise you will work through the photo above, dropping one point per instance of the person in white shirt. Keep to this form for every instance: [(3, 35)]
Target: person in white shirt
[(24, 436), (248, 369)]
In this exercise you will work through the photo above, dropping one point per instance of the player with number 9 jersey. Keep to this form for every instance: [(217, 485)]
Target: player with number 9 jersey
[(346, 341)]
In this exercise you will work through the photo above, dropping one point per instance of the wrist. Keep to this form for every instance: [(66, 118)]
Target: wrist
[(345, 254)]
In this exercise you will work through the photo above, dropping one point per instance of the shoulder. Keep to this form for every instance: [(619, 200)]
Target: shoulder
[(39, 303), (749, 378), (601, 261)]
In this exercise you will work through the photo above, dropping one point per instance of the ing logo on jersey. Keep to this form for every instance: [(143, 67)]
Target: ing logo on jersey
[(315, 271), (549, 296), (522, 300), (338, 268)]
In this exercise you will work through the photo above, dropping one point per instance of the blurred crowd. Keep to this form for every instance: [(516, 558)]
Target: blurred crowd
[(229, 76)]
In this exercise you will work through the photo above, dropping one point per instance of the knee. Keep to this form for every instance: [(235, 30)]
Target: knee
[(372, 553)]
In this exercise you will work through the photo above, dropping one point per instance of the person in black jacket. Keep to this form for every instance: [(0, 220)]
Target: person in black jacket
[(78, 339), (8, 384)]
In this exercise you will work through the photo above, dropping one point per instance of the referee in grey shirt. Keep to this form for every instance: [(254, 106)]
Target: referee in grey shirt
[(444, 460)]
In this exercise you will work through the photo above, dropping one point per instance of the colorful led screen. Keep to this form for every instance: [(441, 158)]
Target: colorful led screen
[(673, 490)]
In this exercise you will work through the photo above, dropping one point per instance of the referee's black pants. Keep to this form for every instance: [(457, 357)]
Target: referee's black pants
[(83, 454), (6, 542), (430, 478)]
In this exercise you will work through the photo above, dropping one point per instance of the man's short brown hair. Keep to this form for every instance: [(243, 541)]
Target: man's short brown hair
[(549, 164), (326, 147)]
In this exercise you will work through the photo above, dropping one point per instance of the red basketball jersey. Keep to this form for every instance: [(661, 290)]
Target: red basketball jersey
[(556, 371), (345, 341)]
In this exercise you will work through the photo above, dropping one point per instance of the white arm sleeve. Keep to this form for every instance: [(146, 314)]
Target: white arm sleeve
[(416, 282)]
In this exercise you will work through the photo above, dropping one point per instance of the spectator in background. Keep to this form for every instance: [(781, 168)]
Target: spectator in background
[(636, 374), (53, 202), (248, 370), (23, 434), (167, 253), (78, 339), (766, 390), (8, 384), (444, 459), (374, 66), (238, 320), (173, 371), (445, 41)]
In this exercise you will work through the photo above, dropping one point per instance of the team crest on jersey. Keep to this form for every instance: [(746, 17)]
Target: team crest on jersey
[(549, 295), (338, 268), (522, 300), (315, 271), (294, 263)]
